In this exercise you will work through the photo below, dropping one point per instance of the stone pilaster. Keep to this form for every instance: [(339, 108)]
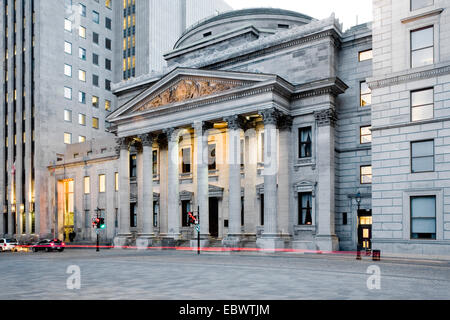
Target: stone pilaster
[(123, 146), (235, 125), (144, 239), (326, 238)]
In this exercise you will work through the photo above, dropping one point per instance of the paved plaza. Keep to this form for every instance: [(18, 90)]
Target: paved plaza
[(132, 274)]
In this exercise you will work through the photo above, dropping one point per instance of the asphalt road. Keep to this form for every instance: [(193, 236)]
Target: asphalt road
[(169, 275)]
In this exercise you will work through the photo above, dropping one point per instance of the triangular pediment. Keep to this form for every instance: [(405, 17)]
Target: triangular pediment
[(184, 85)]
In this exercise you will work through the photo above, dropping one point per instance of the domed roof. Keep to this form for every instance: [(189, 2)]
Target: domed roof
[(245, 15)]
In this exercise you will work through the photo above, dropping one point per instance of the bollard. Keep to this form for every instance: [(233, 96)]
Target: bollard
[(376, 255)]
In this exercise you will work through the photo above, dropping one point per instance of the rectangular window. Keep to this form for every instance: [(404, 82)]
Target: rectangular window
[(108, 64), (418, 4), (67, 138), (212, 157), (365, 94), (261, 209), (82, 75), (133, 215), (95, 37), (102, 183), (81, 119), (423, 217), (422, 47), (305, 208), (82, 32), (108, 44), (67, 115), (422, 156), (108, 84), (186, 160), (107, 105), (95, 59), (155, 162), (67, 25), (155, 213), (81, 139), (185, 208), (68, 93), (108, 23), (365, 55), (82, 10), (116, 181), (82, 53), (305, 138), (366, 174), (95, 80), (422, 104), (365, 134), (95, 17), (87, 219), (82, 97), (242, 211), (67, 70), (95, 101), (95, 122), (67, 47), (87, 185), (108, 4), (133, 166)]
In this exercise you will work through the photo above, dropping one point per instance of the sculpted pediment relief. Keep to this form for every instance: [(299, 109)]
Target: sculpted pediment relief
[(187, 90)]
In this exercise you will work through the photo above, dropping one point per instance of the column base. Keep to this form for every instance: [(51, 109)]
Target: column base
[(232, 241), (269, 243), (122, 241), (204, 243), (327, 242), (143, 242)]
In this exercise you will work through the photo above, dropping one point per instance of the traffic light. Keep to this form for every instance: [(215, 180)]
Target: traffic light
[(95, 222), (102, 223)]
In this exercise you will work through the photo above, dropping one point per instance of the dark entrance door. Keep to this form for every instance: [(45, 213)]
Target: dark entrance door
[(213, 217), (365, 229)]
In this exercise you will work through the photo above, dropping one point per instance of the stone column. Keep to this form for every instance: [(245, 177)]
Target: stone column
[(235, 125), (326, 238), (202, 178), (124, 193), (173, 211), (146, 202), (270, 238)]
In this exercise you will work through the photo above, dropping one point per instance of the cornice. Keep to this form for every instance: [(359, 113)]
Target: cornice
[(410, 76)]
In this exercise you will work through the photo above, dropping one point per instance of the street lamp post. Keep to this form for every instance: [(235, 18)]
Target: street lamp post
[(358, 249)]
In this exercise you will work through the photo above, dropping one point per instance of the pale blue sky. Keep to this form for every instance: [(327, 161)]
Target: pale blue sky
[(345, 10)]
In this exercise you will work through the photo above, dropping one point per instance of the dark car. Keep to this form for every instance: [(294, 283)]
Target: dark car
[(49, 245)]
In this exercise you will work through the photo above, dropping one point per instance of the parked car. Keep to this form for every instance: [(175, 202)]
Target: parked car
[(8, 244), (49, 245)]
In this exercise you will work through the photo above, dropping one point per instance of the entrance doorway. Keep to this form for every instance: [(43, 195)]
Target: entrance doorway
[(214, 217), (365, 229)]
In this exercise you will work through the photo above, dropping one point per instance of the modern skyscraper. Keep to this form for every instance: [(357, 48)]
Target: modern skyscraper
[(59, 59)]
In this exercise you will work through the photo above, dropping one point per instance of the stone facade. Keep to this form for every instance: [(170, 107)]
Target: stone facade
[(312, 132)]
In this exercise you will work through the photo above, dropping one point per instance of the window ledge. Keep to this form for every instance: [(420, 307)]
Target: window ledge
[(427, 14)]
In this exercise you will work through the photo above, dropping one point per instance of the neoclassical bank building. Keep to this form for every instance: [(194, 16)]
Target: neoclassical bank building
[(275, 130)]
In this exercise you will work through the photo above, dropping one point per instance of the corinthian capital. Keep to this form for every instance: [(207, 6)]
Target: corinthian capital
[(172, 134), (147, 139), (327, 117), (270, 116), (122, 144), (235, 122)]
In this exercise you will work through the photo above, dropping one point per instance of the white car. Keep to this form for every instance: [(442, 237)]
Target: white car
[(8, 244)]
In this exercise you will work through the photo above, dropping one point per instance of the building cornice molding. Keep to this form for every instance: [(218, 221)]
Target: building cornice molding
[(410, 76)]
